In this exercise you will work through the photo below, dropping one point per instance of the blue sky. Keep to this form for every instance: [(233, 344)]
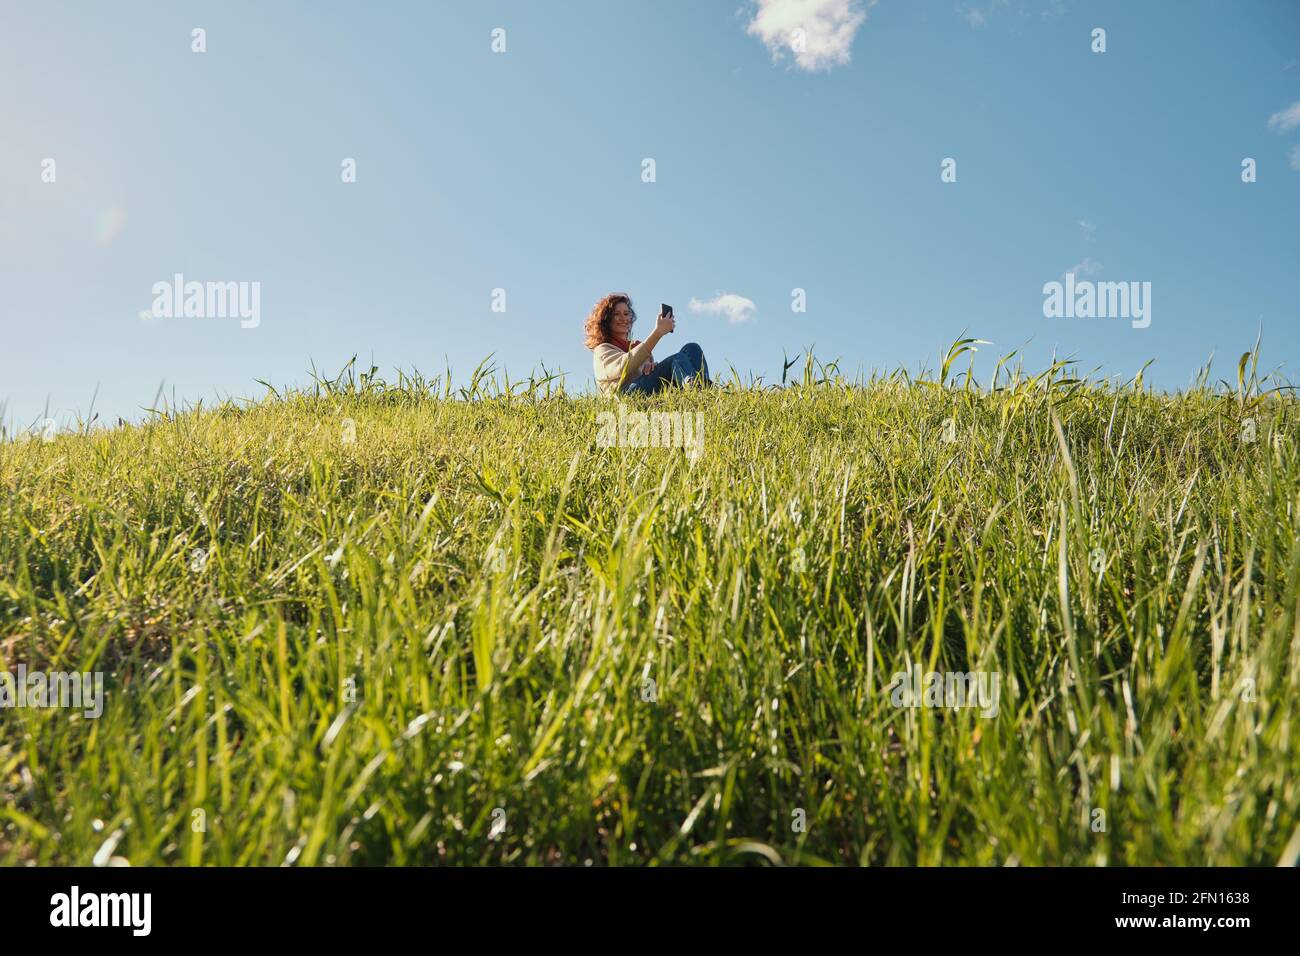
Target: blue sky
[(522, 170)]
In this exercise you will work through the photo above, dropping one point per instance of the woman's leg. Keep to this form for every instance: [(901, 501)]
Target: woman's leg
[(646, 384), (686, 365), (677, 369), (695, 355), (643, 385)]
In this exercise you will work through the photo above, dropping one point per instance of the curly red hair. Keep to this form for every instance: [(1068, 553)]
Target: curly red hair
[(602, 314)]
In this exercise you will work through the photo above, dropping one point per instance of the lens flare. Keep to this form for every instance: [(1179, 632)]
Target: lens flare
[(108, 224)]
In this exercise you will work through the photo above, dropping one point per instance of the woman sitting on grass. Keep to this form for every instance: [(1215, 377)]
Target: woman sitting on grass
[(615, 358)]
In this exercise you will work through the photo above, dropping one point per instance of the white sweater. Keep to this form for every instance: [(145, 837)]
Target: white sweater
[(610, 363)]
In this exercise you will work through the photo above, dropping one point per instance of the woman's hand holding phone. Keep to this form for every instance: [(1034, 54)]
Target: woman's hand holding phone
[(665, 323), (639, 353)]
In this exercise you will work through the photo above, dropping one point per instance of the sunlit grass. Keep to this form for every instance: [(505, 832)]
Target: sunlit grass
[(403, 623)]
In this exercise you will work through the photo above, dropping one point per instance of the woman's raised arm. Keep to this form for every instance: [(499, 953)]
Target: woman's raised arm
[(638, 356)]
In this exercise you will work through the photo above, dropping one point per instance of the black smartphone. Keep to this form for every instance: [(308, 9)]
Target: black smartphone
[(665, 309)]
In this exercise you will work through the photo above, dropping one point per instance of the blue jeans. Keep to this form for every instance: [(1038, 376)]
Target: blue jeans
[(677, 369)]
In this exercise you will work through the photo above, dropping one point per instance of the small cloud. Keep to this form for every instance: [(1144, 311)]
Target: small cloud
[(1293, 158), (1088, 229), (977, 16), (736, 308), (819, 33), (1285, 120), (1088, 267)]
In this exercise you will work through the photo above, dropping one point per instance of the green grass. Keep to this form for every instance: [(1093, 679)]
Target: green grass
[(499, 592)]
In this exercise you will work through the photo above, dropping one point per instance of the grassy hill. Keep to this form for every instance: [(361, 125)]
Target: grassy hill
[(374, 623)]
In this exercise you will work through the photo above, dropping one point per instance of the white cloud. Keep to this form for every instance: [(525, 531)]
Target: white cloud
[(1088, 229), (1285, 120), (1089, 267), (977, 17), (1293, 157), (735, 307), (818, 33)]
